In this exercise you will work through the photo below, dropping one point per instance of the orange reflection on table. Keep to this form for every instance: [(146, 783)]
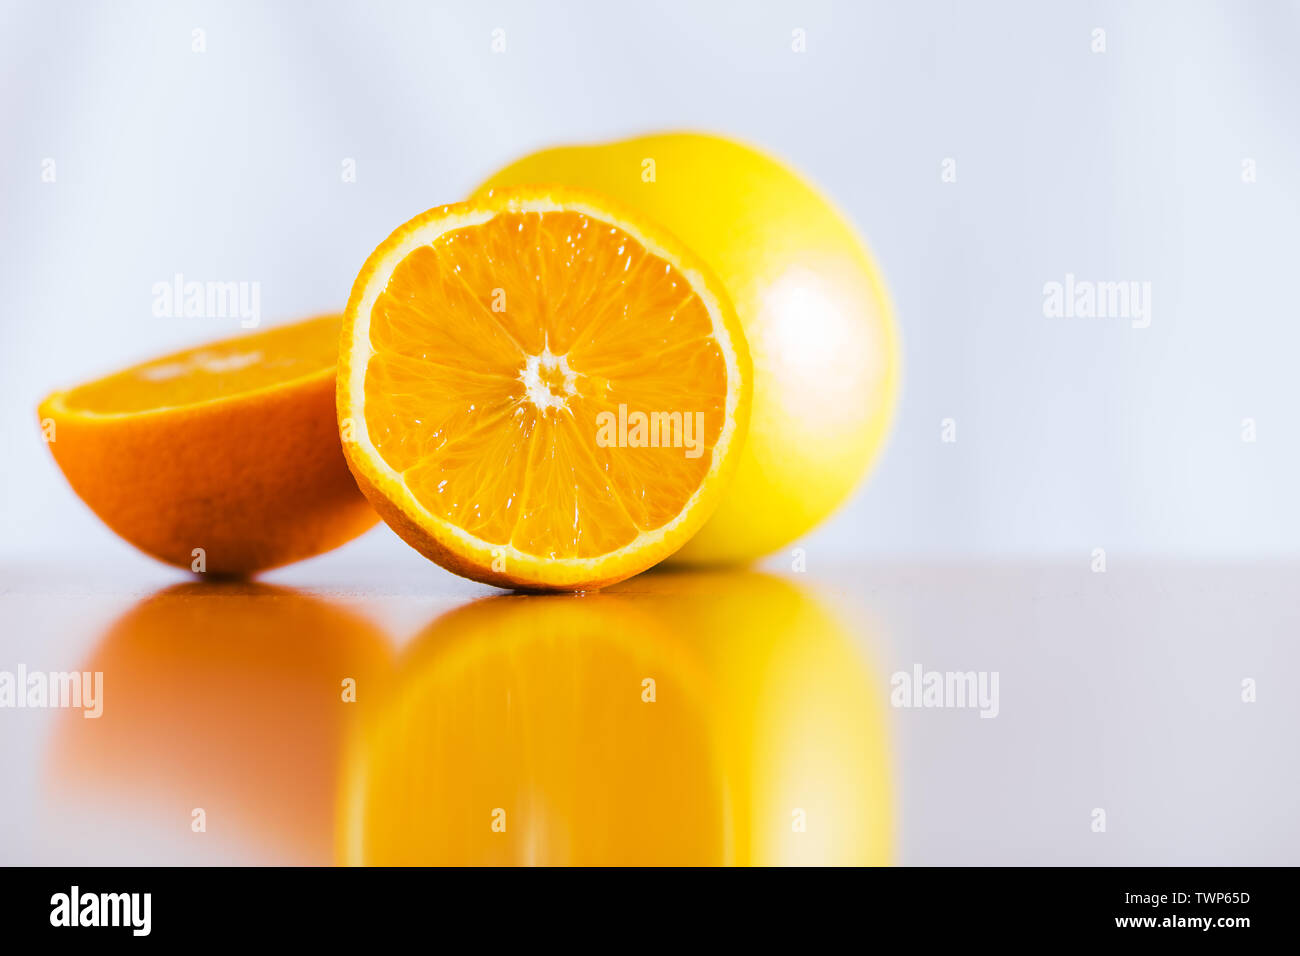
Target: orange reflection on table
[(673, 719), (226, 697)]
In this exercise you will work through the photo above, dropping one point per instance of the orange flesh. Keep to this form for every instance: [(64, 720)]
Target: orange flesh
[(496, 347), (220, 370)]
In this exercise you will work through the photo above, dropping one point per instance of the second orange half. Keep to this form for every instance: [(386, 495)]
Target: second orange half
[(537, 390)]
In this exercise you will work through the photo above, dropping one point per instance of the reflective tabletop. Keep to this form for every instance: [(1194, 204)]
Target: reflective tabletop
[(383, 712)]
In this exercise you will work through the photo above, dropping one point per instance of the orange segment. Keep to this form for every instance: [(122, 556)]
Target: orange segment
[(537, 391), (223, 458)]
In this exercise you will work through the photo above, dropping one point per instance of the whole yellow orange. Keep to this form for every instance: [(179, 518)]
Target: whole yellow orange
[(812, 302)]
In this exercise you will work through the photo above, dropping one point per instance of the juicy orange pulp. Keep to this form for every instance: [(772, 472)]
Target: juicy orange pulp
[(224, 369), (543, 382), (504, 440)]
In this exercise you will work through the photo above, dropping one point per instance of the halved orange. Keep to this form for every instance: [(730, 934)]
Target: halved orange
[(223, 458), (538, 390)]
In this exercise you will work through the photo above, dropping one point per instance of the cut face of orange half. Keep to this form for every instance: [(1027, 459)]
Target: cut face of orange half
[(537, 391)]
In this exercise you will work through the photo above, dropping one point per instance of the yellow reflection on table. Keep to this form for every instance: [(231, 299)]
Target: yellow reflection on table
[(227, 697), (674, 719)]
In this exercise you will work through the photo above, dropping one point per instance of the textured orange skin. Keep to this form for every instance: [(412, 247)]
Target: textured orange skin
[(256, 480)]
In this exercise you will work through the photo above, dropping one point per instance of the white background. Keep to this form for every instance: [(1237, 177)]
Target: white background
[(1125, 165)]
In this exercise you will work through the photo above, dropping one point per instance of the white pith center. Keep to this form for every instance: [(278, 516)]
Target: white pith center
[(548, 380)]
